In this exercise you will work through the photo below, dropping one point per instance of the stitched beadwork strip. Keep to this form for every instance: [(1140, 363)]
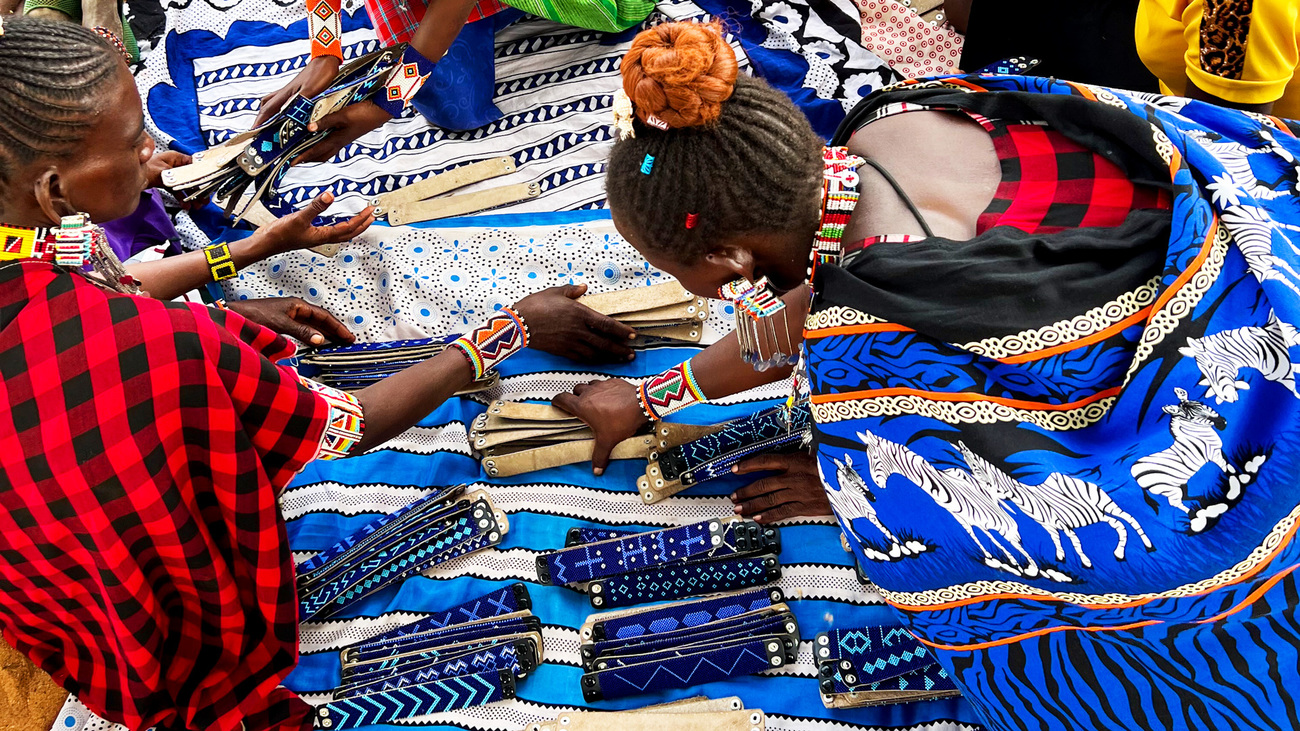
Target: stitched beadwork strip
[(323, 24), (839, 197), (346, 422), (70, 245), (630, 553), (220, 264), (684, 614), (374, 529), (410, 74), (462, 691), (374, 652), (681, 580), (513, 598), (745, 658), (670, 392), (581, 535), (489, 345), (713, 455), (622, 652), (869, 654), (499, 656)]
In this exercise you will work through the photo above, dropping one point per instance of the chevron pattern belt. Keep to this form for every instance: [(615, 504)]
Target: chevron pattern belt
[(461, 656), (684, 670), (462, 691)]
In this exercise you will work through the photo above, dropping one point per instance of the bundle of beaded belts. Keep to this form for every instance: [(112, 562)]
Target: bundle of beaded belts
[(353, 367), (659, 312), (877, 665), (513, 438), (449, 522), (675, 468), (620, 567), (688, 714), (462, 656), (686, 643)]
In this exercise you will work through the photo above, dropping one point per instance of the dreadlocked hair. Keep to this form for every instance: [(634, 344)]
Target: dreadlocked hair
[(737, 156), (51, 75)]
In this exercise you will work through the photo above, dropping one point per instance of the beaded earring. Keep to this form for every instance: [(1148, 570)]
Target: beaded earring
[(761, 324)]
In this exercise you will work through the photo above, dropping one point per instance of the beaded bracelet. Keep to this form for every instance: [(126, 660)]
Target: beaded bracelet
[(323, 25), (220, 264), (114, 41), (502, 337), (410, 74), (669, 392)]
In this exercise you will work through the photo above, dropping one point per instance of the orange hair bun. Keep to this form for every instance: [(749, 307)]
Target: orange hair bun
[(680, 73)]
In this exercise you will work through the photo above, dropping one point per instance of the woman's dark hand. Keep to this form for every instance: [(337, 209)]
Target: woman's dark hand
[(560, 326), (795, 491), (295, 318), (295, 231), (161, 162), (312, 80), (611, 408), (345, 126)]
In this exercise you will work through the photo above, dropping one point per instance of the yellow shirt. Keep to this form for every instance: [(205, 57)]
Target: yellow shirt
[(1242, 51)]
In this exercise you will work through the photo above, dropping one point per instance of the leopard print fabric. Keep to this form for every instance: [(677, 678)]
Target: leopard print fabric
[(1225, 26)]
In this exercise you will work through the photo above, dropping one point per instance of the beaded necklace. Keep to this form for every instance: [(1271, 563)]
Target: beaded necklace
[(74, 244)]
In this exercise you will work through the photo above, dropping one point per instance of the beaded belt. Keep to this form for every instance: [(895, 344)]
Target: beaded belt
[(876, 665), (683, 668), (779, 429), (682, 580), (431, 531), (462, 656), (353, 367), (632, 623), (628, 553)]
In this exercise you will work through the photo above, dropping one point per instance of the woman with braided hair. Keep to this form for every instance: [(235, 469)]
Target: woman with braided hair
[(144, 564), (1022, 311)]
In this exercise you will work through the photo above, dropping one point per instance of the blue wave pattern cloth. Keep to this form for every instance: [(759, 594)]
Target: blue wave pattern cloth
[(1090, 520), (330, 501)]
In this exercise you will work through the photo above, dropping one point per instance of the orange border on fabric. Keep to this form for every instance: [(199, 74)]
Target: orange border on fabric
[(1281, 126), (1096, 337), (829, 398), (1083, 91), (875, 327), (1250, 599)]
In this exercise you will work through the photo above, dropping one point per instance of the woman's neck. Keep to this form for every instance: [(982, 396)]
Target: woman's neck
[(26, 216)]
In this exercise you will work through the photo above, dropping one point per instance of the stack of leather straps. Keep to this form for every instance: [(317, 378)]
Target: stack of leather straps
[(620, 568), (461, 656), (688, 714), (686, 643), (443, 525), (877, 665), (514, 438), (248, 167), (657, 313), (675, 468), (353, 367)]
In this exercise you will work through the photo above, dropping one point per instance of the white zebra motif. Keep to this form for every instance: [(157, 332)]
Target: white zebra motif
[(1195, 428), (953, 490), (1222, 355), (1252, 230), (853, 500), (1235, 159), (1060, 504)]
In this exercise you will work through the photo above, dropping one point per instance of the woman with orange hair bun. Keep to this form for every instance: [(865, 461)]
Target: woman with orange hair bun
[(1043, 330)]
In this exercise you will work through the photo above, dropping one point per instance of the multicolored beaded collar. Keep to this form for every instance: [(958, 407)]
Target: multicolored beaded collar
[(75, 243)]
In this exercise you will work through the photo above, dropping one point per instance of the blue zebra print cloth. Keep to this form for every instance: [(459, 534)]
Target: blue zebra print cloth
[(1071, 466)]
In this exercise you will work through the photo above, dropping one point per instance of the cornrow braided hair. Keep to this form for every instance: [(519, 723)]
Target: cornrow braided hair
[(51, 77), (736, 153)]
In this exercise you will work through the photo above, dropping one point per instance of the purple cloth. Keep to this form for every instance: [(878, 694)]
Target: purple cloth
[(148, 226)]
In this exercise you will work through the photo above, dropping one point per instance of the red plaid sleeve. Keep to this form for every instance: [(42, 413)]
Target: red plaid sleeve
[(145, 565), (397, 20)]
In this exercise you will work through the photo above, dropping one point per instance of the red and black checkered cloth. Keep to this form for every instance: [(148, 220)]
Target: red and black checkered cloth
[(1051, 183), (396, 21), (143, 560)]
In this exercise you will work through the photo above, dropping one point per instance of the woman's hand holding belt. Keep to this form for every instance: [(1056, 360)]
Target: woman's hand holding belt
[(612, 408)]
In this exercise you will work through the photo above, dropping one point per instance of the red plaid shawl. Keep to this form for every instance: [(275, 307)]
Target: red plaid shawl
[(143, 561)]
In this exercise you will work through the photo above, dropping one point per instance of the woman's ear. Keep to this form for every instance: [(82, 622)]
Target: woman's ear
[(736, 259), (50, 196)]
